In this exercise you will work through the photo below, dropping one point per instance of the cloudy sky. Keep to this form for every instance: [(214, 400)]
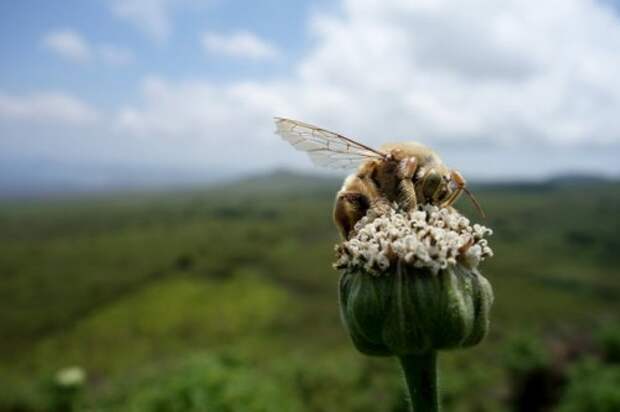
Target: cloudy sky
[(501, 89)]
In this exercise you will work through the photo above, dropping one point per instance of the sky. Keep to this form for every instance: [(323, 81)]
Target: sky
[(106, 90)]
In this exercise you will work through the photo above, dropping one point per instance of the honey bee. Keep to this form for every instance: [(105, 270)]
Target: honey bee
[(406, 173)]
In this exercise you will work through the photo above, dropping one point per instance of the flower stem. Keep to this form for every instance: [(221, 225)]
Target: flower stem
[(421, 378)]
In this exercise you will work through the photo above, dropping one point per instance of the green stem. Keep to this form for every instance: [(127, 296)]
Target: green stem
[(421, 378)]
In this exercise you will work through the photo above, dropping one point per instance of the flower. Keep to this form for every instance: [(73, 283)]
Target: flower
[(427, 237), (73, 376), (410, 282)]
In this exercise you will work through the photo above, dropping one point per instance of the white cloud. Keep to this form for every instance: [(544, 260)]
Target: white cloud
[(115, 55), (505, 73), (205, 125), (482, 76), (48, 107), (240, 44), (499, 88), (68, 44), (153, 17)]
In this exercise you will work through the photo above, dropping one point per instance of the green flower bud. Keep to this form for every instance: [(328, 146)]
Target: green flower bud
[(410, 283), (413, 311), (66, 388)]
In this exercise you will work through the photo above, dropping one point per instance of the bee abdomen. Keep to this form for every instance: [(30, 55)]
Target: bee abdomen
[(350, 208)]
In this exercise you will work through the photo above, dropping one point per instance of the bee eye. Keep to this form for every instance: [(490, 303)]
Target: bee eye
[(443, 194), (431, 184), (358, 200)]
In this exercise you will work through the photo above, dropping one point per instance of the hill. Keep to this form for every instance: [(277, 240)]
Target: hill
[(136, 288)]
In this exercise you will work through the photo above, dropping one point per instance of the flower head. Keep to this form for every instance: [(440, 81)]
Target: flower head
[(70, 377), (428, 237), (410, 282)]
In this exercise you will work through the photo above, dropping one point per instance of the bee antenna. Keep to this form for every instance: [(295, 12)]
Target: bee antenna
[(475, 202)]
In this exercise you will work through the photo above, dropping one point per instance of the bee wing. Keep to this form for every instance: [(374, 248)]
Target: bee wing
[(326, 149)]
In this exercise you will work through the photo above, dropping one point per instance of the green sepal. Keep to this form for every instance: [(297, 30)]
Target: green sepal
[(412, 311)]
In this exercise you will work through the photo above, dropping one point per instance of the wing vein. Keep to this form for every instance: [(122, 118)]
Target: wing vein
[(324, 147)]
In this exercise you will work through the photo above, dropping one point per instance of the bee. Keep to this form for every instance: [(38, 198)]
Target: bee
[(406, 173)]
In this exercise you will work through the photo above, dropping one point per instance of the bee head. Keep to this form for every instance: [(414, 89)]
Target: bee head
[(444, 189), (435, 186)]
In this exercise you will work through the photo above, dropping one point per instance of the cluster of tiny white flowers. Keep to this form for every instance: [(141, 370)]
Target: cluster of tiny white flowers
[(428, 237), (72, 376)]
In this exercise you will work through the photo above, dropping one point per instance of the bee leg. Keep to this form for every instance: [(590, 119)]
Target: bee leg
[(381, 206), (459, 180), (350, 207), (406, 172), (407, 168), (408, 197)]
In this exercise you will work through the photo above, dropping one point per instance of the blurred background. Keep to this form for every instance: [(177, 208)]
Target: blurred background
[(162, 250)]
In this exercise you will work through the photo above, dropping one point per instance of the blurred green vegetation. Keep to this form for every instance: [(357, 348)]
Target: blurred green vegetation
[(225, 300)]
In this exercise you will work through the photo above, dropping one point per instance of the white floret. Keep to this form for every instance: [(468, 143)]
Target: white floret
[(428, 237)]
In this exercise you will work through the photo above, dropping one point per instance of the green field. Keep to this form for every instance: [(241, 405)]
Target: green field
[(225, 300)]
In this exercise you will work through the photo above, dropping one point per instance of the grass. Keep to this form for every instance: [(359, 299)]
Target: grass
[(138, 288)]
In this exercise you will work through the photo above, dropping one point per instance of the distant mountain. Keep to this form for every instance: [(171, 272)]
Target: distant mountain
[(579, 180), (281, 181), (286, 180), (40, 178), (558, 181)]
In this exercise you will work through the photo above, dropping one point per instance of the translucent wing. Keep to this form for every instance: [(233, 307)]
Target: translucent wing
[(327, 149)]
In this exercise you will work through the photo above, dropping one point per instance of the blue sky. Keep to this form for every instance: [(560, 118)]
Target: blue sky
[(27, 65), (500, 89)]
